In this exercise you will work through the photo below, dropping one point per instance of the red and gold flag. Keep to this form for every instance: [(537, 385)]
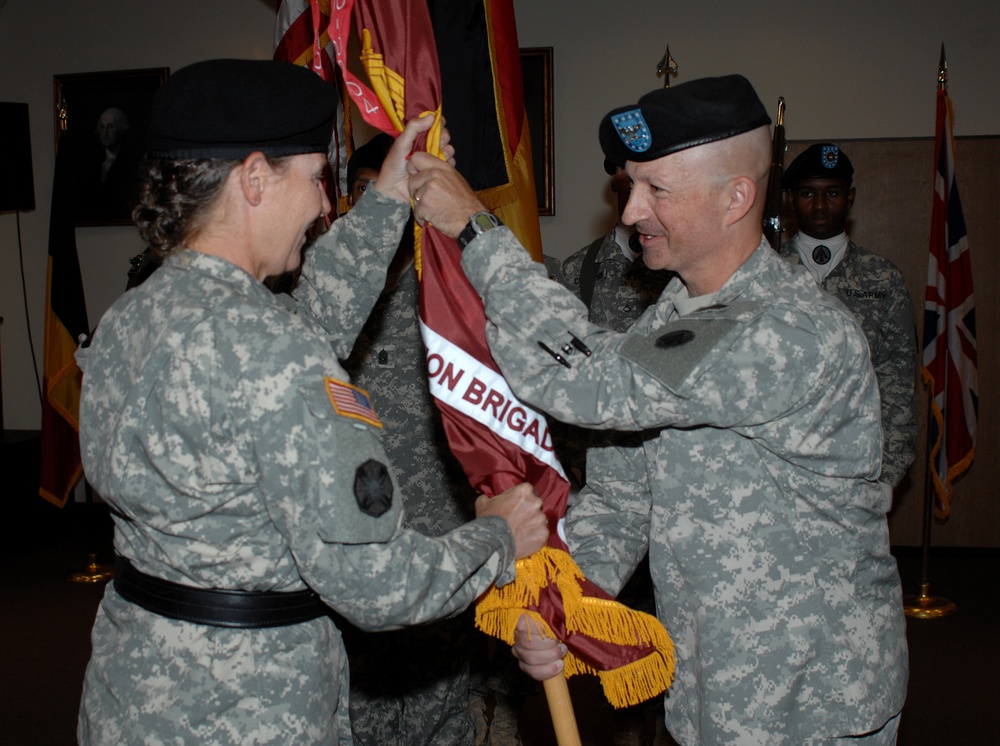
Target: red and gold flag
[(499, 441)]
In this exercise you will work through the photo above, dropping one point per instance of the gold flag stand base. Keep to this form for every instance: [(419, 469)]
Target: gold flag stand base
[(92, 573), (925, 606)]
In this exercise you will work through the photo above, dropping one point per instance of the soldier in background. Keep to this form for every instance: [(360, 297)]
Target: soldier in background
[(820, 185), (413, 687), (609, 275)]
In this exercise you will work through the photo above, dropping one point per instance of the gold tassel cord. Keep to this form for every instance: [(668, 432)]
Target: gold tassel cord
[(499, 610)]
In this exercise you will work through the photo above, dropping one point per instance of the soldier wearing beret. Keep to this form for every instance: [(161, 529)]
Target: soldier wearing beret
[(820, 186), (754, 484), (247, 478)]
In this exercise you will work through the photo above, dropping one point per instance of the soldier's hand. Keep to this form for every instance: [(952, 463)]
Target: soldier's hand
[(540, 656), (393, 176), (441, 195), (522, 509)]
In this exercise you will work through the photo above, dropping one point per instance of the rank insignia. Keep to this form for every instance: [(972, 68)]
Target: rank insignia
[(829, 156), (633, 130), (350, 401)]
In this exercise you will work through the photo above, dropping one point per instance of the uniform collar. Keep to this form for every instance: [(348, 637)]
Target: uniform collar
[(806, 246)]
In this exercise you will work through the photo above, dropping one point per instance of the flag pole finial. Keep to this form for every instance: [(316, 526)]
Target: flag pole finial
[(943, 71), (667, 67)]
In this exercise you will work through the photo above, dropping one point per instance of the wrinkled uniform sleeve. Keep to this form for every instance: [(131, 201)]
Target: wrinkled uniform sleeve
[(737, 372), (894, 360), (607, 522), (318, 468), (344, 270)]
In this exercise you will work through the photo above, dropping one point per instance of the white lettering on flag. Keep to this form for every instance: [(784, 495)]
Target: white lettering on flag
[(480, 393)]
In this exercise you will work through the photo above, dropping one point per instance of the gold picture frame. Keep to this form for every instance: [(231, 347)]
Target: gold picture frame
[(536, 72), (101, 120)]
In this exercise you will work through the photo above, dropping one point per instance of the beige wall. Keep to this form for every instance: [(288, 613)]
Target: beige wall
[(861, 70)]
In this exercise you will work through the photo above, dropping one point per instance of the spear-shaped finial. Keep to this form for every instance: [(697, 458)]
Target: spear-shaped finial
[(667, 67), (943, 71)]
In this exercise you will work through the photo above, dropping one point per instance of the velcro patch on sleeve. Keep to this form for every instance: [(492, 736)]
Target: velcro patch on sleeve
[(671, 352), (350, 401)]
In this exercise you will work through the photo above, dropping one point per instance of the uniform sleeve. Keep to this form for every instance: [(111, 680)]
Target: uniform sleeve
[(344, 271), (607, 523), (895, 363), (727, 373), (571, 269), (331, 492)]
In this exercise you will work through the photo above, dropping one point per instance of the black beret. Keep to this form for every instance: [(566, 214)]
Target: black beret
[(672, 119), (231, 108), (823, 160), (370, 155)]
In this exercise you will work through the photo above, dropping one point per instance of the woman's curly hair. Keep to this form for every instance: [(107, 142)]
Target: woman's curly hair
[(174, 197)]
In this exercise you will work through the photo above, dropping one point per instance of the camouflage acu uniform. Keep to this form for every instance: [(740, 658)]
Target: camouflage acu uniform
[(207, 424), (623, 288), (875, 292), (411, 686), (754, 489)]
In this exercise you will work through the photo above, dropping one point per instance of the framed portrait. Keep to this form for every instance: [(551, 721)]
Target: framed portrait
[(536, 69), (100, 130)]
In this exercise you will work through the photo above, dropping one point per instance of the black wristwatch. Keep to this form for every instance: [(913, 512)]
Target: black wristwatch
[(478, 223)]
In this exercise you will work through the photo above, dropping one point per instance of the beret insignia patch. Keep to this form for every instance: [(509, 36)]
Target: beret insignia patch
[(373, 488), (675, 339), (633, 130), (829, 156)]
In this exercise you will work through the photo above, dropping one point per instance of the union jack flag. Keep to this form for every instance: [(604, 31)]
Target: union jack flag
[(949, 359)]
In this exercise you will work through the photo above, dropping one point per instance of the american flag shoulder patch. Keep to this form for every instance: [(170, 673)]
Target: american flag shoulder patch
[(350, 401)]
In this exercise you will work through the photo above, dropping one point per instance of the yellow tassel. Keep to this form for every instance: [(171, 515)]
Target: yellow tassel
[(499, 610), (637, 681)]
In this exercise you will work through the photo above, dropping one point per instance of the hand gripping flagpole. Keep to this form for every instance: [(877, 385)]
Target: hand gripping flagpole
[(923, 605)]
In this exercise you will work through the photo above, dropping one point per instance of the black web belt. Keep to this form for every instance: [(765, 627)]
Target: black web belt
[(218, 608)]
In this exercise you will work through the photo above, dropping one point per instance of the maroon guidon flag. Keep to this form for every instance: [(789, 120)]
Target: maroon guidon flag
[(499, 441)]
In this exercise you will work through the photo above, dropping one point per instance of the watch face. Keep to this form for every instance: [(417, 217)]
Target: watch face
[(483, 221)]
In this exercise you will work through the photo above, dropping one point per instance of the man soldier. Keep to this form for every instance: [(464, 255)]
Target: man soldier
[(820, 184), (754, 484)]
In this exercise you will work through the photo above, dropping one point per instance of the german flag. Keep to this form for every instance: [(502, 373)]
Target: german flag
[(483, 103), (65, 321)]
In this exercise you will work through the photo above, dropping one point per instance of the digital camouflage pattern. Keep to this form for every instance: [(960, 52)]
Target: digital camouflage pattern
[(875, 292), (623, 288), (425, 699), (754, 489), (206, 424)]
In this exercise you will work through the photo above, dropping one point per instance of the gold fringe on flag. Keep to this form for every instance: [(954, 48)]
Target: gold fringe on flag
[(499, 610)]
